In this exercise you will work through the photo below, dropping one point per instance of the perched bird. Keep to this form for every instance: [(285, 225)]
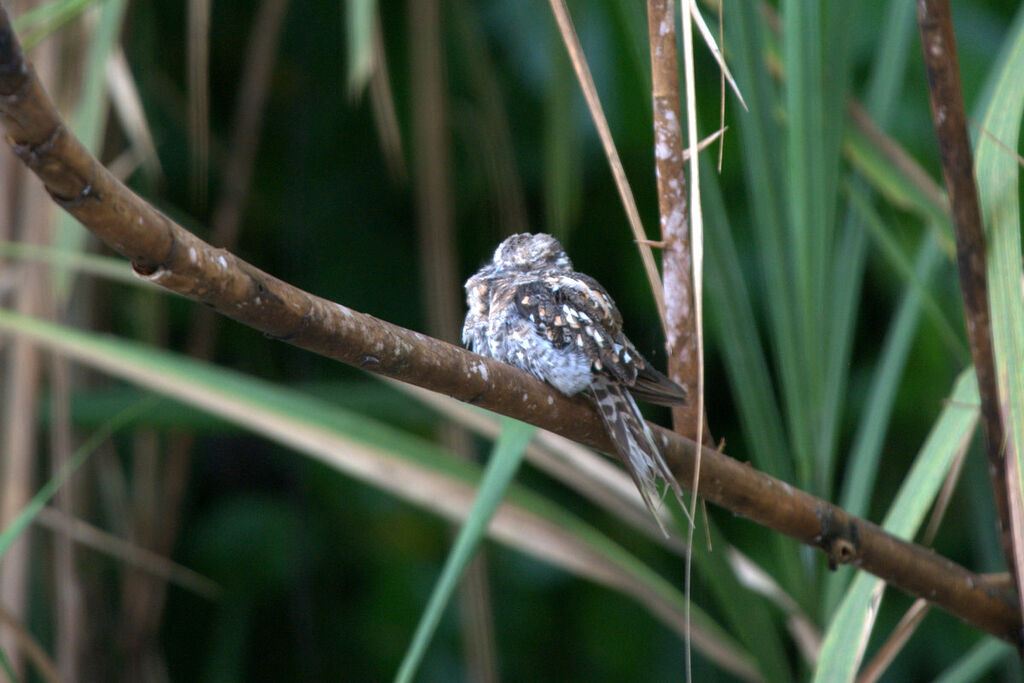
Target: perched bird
[(529, 308)]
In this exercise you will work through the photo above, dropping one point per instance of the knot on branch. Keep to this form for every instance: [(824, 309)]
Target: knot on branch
[(839, 538)]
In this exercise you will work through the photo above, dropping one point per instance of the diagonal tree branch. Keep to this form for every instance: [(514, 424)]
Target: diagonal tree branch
[(950, 119), (167, 254)]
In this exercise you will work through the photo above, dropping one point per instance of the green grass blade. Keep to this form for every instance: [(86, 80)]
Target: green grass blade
[(897, 188), (977, 661), (31, 510), (502, 467), (838, 271), (859, 483), (849, 630), (732, 316), (898, 37), (5, 663), (749, 616), (999, 192), (804, 149), (767, 181), (111, 268), (898, 260), (89, 121), (847, 273), (866, 453), (359, 18), (561, 145), (39, 22)]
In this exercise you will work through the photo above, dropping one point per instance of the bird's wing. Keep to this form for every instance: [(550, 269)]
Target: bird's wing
[(653, 387)]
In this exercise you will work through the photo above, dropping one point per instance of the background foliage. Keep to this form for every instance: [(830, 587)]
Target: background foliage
[(322, 576)]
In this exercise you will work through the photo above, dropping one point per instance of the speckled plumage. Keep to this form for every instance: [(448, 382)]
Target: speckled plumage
[(529, 308)]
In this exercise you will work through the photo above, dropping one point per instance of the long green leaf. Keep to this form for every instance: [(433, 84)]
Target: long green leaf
[(735, 327), (5, 663), (502, 467), (359, 18), (898, 189), (849, 257), (408, 467), (867, 445), (886, 243), (561, 145), (977, 661), (866, 454), (42, 20), (849, 630), (766, 179), (747, 614), (999, 193), (90, 119), (838, 265), (109, 267), (732, 319)]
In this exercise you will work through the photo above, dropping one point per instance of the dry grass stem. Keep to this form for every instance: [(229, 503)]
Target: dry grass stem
[(579, 62), (894, 644)]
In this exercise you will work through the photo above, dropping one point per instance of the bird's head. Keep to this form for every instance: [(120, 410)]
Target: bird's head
[(528, 252)]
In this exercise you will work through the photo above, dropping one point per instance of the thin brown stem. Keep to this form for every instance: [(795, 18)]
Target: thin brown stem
[(440, 286), (950, 119), (69, 601), (26, 208), (167, 254), (894, 644), (29, 646)]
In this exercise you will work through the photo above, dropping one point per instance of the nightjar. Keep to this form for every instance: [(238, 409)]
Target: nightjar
[(529, 308)]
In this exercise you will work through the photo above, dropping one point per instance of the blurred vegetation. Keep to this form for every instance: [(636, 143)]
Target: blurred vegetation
[(323, 576)]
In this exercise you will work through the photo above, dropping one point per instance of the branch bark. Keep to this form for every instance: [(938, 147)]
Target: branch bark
[(677, 266), (167, 254), (950, 119)]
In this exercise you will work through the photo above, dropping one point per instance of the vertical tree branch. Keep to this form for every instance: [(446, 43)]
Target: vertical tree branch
[(950, 119), (676, 256)]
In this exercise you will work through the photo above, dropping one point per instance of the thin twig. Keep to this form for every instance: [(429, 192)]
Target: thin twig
[(894, 644), (102, 541), (199, 95), (897, 155)]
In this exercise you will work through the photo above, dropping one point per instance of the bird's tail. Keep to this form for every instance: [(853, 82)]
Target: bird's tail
[(635, 443)]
